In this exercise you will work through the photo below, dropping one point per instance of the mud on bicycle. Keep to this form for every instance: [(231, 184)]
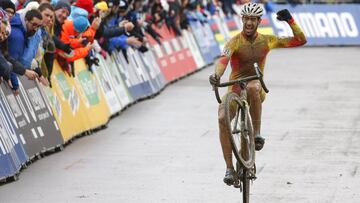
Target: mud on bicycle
[(239, 124)]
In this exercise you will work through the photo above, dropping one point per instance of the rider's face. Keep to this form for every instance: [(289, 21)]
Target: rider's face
[(250, 25)]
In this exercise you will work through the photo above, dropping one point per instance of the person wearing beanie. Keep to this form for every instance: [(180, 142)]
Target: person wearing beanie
[(62, 11), (101, 6), (9, 7)]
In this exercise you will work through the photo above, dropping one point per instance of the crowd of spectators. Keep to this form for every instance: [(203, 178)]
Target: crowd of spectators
[(33, 33)]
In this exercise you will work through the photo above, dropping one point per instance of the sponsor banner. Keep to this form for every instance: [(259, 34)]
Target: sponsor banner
[(194, 49), (121, 89), (103, 78), (32, 118), (9, 124), (221, 32), (215, 50), (12, 153), (205, 48), (151, 70), (265, 25), (232, 25), (139, 72), (323, 24), (129, 76), (149, 61), (39, 108), (92, 98), (7, 168), (22, 122), (173, 55), (65, 102)]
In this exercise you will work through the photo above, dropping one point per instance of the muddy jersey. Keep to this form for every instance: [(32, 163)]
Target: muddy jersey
[(243, 53)]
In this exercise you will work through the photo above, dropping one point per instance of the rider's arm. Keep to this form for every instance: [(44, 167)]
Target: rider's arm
[(221, 65), (225, 56), (283, 42)]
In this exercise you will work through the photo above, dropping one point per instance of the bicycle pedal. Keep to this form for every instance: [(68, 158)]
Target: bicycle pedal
[(252, 177), (237, 185)]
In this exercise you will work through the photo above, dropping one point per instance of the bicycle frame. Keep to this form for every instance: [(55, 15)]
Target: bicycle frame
[(258, 76), (245, 150)]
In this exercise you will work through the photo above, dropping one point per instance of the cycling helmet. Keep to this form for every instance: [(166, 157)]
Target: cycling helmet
[(252, 9)]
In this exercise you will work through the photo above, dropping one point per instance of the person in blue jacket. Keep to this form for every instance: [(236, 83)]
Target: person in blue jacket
[(115, 20), (22, 28)]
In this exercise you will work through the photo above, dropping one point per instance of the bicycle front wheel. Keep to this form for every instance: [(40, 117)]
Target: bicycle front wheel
[(245, 185), (238, 122)]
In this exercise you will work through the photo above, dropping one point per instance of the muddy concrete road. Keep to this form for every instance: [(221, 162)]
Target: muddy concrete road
[(167, 149)]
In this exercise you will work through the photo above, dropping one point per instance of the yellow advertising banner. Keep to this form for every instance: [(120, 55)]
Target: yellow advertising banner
[(66, 104), (92, 97)]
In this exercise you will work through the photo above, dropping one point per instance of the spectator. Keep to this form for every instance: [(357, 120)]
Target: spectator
[(9, 7), (115, 20), (141, 23), (62, 11), (11, 63), (71, 34), (173, 13), (5, 66), (47, 54), (87, 5), (107, 30), (22, 28)]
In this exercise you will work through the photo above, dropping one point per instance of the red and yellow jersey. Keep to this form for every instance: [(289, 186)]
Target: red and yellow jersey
[(243, 53)]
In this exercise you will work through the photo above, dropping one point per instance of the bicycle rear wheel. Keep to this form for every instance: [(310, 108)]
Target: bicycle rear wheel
[(238, 122)]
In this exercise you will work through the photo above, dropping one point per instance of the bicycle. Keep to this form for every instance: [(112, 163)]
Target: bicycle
[(242, 135)]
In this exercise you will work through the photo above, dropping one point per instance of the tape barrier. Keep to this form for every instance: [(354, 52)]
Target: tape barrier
[(103, 77), (322, 24)]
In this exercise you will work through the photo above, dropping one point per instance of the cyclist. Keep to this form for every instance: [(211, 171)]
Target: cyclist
[(243, 51)]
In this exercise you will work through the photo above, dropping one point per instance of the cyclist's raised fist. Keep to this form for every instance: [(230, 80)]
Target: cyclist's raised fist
[(283, 15), (214, 79)]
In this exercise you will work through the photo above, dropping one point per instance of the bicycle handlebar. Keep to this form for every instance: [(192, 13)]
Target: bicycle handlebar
[(258, 76)]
